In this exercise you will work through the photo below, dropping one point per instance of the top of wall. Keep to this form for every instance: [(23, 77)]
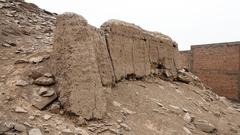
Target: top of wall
[(124, 28), (212, 45)]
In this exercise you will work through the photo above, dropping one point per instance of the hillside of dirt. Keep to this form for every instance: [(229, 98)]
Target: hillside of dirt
[(61, 76)]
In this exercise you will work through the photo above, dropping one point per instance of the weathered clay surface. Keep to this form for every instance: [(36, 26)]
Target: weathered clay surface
[(75, 64), (135, 51)]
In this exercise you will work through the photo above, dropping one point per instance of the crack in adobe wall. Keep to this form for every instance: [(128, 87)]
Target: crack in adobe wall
[(143, 45)]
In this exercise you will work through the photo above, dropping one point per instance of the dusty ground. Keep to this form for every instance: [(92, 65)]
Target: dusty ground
[(148, 107)]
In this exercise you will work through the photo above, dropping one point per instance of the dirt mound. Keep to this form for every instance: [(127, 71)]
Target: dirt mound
[(104, 80)]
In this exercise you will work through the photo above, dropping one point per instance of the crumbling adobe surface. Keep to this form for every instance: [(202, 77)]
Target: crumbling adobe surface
[(87, 59), (138, 52), (76, 64)]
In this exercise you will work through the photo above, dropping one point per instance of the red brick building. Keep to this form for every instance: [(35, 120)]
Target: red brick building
[(217, 65)]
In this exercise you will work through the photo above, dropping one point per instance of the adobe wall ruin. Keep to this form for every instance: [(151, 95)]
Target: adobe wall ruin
[(217, 65), (87, 61)]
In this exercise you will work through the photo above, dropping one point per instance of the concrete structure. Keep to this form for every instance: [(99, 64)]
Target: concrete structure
[(217, 65)]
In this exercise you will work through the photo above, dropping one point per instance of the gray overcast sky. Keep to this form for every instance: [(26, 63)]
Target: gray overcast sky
[(186, 21)]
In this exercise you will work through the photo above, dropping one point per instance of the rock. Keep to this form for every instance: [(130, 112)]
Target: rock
[(6, 45), (237, 110), (41, 102), (3, 127), (46, 92), (44, 81), (80, 131), (188, 132), (49, 93), (167, 73), (20, 127), (21, 61), (117, 104), (42, 91), (21, 83), (38, 59), (49, 75), (11, 43), (125, 126), (55, 107), (1, 6), (20, 110), (35, 74), (205, 126), (187, 77), (67, 132), (127, 111), (31, 117), (47, 117), (3, 0), (38, 37), (35, 131), (184, 78), (187, 118), (81, 121)]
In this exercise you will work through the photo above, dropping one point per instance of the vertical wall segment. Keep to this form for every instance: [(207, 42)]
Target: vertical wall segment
[(81, 65), (138, 52)]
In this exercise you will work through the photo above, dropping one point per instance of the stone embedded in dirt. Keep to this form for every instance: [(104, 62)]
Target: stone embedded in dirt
[(44, 81), (127, 111), (47, 117), (46, 92), (38, 59), (205, 126), (3, 0), (49, 93), (67, 132), (3, 127), (125, 126), (20, 127), (117, 104), (21, 83), (42, 91), (41, 102), (55, 107), (188, 132), (49, 75), (35, 131), (188, 118), (6, 45), (183, 77), (31, 117), (80, 131), (21, 61), (1, 5), (20, 110), (35, 74)]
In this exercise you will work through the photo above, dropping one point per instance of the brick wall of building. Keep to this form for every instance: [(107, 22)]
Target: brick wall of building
[(185, 59), (217, 65)]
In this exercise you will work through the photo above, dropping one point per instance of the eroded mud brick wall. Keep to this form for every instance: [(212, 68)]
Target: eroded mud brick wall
[(87, 61), (135, 51), (218, 66), (81, 65)]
